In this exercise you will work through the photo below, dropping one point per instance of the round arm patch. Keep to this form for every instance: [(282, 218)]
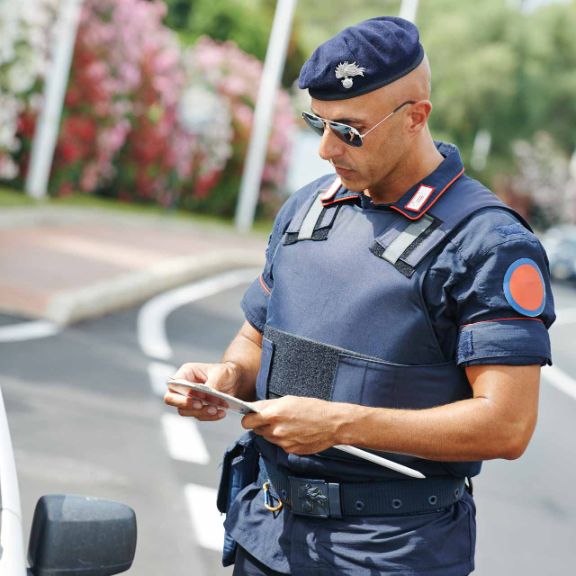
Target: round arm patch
[(524, 287)]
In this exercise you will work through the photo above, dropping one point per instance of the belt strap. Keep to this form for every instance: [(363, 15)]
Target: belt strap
[(316, 497)]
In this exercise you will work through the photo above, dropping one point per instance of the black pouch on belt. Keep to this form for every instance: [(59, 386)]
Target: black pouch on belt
[(239, 469)]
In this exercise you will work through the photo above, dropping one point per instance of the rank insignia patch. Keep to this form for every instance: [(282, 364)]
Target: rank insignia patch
[(524, 287)]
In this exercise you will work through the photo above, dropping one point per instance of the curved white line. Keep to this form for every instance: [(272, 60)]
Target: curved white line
[(152, 316), (28, 331)]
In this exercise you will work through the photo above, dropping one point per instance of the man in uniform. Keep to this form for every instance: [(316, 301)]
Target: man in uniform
[(403, 309)]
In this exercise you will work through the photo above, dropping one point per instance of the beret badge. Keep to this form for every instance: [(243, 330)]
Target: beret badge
[(346, 72)]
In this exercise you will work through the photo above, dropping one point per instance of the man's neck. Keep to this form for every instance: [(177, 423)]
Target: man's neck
[(406, 176)]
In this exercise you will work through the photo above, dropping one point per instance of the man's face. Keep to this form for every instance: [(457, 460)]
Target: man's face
[(374, 164)]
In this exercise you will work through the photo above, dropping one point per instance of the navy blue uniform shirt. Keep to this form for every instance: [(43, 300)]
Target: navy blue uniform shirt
[(474, 294), (465, 289)]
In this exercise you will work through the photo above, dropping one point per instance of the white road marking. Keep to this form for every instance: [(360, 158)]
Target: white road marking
[(28, 331), (559, 379), (152, 316), (206, 520), (159, 372), (185, 443)]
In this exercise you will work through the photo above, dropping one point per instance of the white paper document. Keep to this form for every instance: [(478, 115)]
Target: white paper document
[(240, 406)]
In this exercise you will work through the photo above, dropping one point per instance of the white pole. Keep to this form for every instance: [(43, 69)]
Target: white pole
[(481, 149), (256, 156), (409, 9), (56, 82)]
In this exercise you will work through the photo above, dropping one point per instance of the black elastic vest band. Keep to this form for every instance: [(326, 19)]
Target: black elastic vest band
[(300, 367)]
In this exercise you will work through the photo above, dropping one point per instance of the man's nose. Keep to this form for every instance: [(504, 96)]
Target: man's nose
[(330, 146)]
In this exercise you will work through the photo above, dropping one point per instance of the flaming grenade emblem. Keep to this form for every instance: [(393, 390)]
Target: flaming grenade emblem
[(346, 71)]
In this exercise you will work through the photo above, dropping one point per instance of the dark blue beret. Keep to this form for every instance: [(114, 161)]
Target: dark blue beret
[(362, 58)]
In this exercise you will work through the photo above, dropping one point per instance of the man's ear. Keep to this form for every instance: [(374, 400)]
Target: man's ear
[(418, 115)]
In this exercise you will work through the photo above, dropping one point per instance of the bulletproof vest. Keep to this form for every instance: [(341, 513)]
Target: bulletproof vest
[(346, 320)]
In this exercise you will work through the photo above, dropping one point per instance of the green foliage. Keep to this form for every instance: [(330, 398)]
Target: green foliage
[(473, 68), (549, 73), (321, 20), (178, 13), (497, 68), (247, 23), (11, 197)]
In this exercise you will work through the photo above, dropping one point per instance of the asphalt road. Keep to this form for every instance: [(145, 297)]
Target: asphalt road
[(86, 417)]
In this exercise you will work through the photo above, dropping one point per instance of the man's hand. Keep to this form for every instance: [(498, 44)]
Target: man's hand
[(298, 425), (234, 375), (221, 377)]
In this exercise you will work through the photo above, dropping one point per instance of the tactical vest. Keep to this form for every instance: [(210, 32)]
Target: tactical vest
[(346, 320)]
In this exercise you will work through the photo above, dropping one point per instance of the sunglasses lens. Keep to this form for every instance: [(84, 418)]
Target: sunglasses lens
[(346, 133), (314, 122)]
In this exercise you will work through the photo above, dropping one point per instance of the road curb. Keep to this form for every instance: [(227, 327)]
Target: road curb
[(130, 289)]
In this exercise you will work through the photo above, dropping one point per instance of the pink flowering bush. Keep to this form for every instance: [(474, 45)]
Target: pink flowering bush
[(235, 77), (120, 131), (24, 38), (146, 121)]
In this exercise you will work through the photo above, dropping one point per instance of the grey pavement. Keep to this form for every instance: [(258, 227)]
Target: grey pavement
[(67, 264)]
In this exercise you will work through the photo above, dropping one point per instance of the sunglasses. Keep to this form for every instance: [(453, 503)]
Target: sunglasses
[(347, 134)]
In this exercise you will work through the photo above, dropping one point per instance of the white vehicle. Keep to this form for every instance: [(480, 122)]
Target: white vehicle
[(70, 535), (560, 245)]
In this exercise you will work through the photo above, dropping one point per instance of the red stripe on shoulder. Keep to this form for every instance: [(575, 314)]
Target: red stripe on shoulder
[(264, 285), (343, 199)]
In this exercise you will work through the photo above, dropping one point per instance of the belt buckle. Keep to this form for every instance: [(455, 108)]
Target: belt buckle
[(311, 497)]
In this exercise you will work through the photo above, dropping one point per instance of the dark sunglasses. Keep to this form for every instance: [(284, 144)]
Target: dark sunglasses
[(347, 134)]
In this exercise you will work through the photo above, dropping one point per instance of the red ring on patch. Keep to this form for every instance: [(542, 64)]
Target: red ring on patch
[(524, 287)]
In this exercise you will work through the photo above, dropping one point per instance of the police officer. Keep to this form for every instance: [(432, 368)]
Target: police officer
[(402, 309)]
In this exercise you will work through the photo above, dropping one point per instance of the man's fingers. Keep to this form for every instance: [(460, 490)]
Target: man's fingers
[(249, 421), (188, 406), (193, 395), (178, 400), (193, 406), (194, 372), (205, 414)]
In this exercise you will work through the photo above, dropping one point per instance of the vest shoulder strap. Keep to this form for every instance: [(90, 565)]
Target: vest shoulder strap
[(313, 220), (406, 243)]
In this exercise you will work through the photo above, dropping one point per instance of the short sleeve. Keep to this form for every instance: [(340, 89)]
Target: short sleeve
[(489, 295), (255, 300), (504, 301)]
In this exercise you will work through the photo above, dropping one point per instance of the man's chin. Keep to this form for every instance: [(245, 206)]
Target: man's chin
[(350, 182)]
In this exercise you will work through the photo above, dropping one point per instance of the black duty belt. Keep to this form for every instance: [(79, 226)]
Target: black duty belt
[(314, 497)]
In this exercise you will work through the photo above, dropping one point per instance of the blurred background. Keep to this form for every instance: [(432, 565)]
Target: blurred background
[(128, 264), (161, 96)]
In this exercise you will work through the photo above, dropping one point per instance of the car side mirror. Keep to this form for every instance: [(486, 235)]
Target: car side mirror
[(81, 536)]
